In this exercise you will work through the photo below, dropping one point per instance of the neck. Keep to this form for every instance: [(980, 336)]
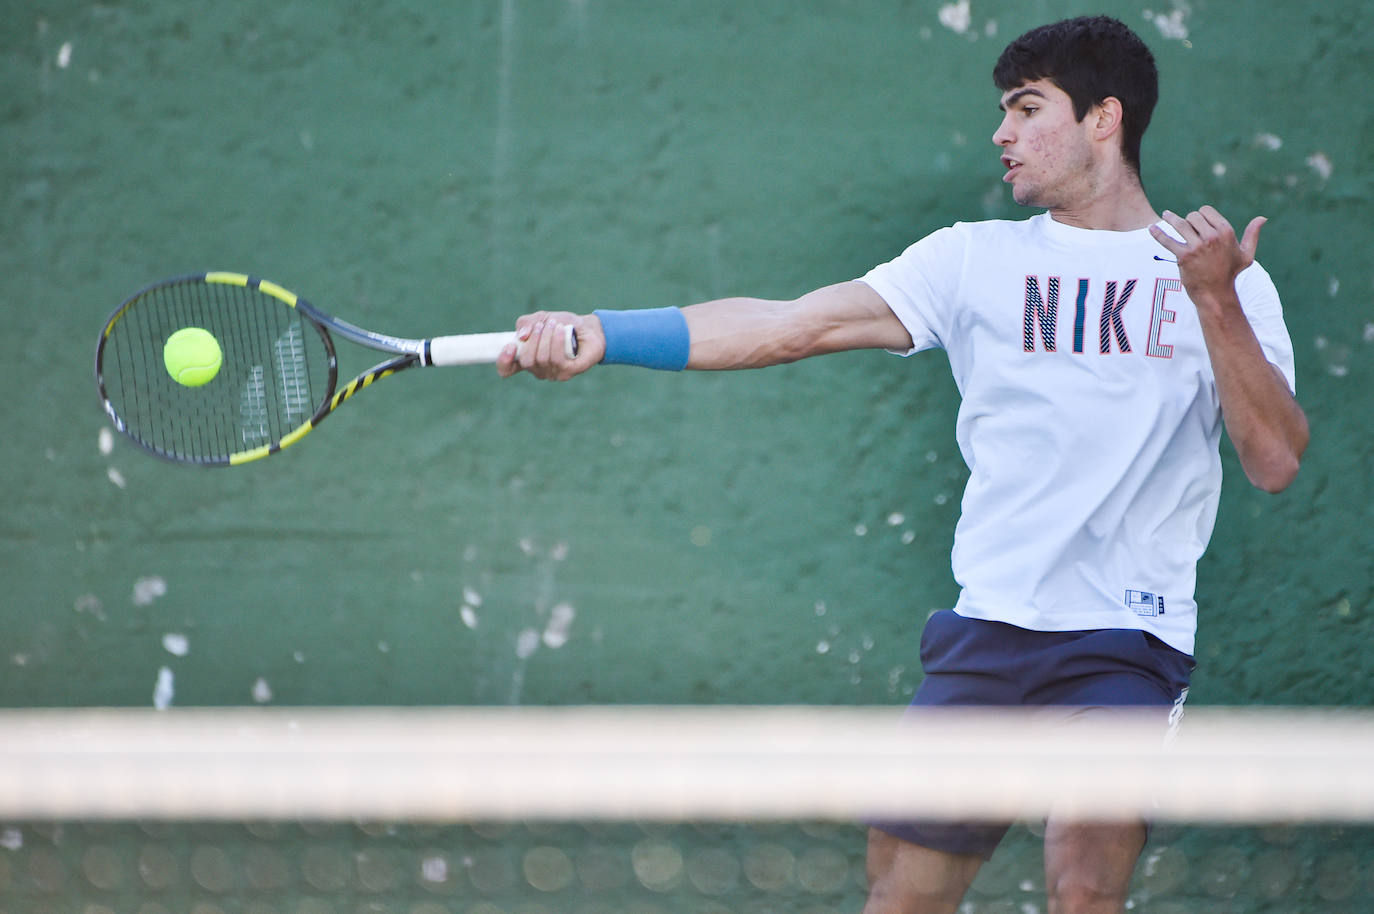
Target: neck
[(1115, 203)]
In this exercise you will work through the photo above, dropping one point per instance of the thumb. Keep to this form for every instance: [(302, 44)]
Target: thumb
[(506, 363), (1249, 241)]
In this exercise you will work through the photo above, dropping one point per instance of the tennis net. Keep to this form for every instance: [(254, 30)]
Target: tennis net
[(655, 810)]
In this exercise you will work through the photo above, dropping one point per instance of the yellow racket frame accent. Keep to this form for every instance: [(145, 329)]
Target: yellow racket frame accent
[(464, 349)]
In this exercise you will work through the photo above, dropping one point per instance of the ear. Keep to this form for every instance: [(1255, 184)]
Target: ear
[(1104, 118)]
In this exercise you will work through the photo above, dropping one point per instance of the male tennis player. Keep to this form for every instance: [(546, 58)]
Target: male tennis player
[(1098, 347)]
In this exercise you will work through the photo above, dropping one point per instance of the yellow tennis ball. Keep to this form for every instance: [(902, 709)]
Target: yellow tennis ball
[(192, 356)]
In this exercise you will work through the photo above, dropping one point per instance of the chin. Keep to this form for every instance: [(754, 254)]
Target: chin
[(1030, 196)]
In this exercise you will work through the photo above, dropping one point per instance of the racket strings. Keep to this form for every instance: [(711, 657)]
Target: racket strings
[(277, 371)]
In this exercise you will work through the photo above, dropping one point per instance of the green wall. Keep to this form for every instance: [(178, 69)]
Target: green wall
[(631, 537), (777, 536)]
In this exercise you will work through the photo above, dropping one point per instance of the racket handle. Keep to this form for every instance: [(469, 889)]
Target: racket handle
[(483, 348)]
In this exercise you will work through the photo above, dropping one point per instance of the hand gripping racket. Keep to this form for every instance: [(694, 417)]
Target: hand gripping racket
[(277, 372)]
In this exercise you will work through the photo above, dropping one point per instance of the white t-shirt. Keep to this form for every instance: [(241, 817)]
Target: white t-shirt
[(1089, 418)]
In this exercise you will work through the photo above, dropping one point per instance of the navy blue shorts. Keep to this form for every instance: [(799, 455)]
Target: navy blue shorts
[(972, 662)]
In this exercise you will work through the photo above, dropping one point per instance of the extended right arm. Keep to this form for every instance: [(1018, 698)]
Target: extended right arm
[(729, 333)]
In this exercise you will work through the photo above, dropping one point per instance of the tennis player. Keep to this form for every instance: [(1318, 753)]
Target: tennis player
[(1098, 347)]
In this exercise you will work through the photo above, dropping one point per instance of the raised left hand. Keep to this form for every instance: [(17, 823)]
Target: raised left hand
[(1209, 256)]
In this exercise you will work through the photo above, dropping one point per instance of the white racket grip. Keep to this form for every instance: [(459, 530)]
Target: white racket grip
[(483, 348)]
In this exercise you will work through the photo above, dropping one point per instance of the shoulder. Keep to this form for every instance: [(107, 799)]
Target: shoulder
[(942, 261), (949, 244), (1255, 287), (993, 239), (997, 229), (1256, 274)]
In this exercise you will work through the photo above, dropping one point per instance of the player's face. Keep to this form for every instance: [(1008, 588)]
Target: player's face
[(1045, 150)]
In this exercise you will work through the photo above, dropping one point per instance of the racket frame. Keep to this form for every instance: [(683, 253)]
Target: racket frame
[(465, 349)]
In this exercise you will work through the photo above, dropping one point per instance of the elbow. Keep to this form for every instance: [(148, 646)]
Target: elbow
[(804, 340), (792, 348), (1274, 476), (1276, 469)]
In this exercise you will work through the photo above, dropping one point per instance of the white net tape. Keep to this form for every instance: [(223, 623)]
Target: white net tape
[(676, 764)]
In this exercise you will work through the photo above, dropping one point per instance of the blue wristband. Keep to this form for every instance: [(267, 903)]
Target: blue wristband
[(652, 338)]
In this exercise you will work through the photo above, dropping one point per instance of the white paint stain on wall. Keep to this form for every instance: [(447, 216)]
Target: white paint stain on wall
[(1173, 24), (164, 690), (1320, 163), (149, 588), (526, 643), (956, 16), (560, 622)]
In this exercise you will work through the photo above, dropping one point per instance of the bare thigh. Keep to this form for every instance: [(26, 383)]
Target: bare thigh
[(1089, 865), (905, 878)]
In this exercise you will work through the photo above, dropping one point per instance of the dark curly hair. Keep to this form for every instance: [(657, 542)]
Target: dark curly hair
[(1091, 58)]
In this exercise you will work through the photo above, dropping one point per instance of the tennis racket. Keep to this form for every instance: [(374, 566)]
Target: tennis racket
[(277, 375)]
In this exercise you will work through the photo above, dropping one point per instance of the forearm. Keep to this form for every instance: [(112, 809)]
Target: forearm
[(1265, 423), (1263, 420)]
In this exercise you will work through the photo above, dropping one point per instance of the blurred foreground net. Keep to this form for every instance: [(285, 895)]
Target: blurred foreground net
[(654, 810)]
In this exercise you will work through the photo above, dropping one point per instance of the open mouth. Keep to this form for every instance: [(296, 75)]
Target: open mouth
[(1012, 166)]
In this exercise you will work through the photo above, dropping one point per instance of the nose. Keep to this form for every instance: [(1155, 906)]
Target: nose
[(1003, 136)]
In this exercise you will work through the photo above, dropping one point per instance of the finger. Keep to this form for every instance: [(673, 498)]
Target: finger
[(551, 344), (524, 324), (1167, 241), (523, 348), (1215, 218), (1181, 225), (1202, 225), (550, 347), (529, 347), (539, 343), (1249, 242)]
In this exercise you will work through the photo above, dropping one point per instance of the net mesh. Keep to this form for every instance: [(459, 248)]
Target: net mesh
[(86, 823)]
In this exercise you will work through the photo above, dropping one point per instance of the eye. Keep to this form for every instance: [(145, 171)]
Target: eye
[(1028, 110)]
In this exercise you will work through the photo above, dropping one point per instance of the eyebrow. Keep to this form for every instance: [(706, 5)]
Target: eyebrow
[(1017, 96)]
